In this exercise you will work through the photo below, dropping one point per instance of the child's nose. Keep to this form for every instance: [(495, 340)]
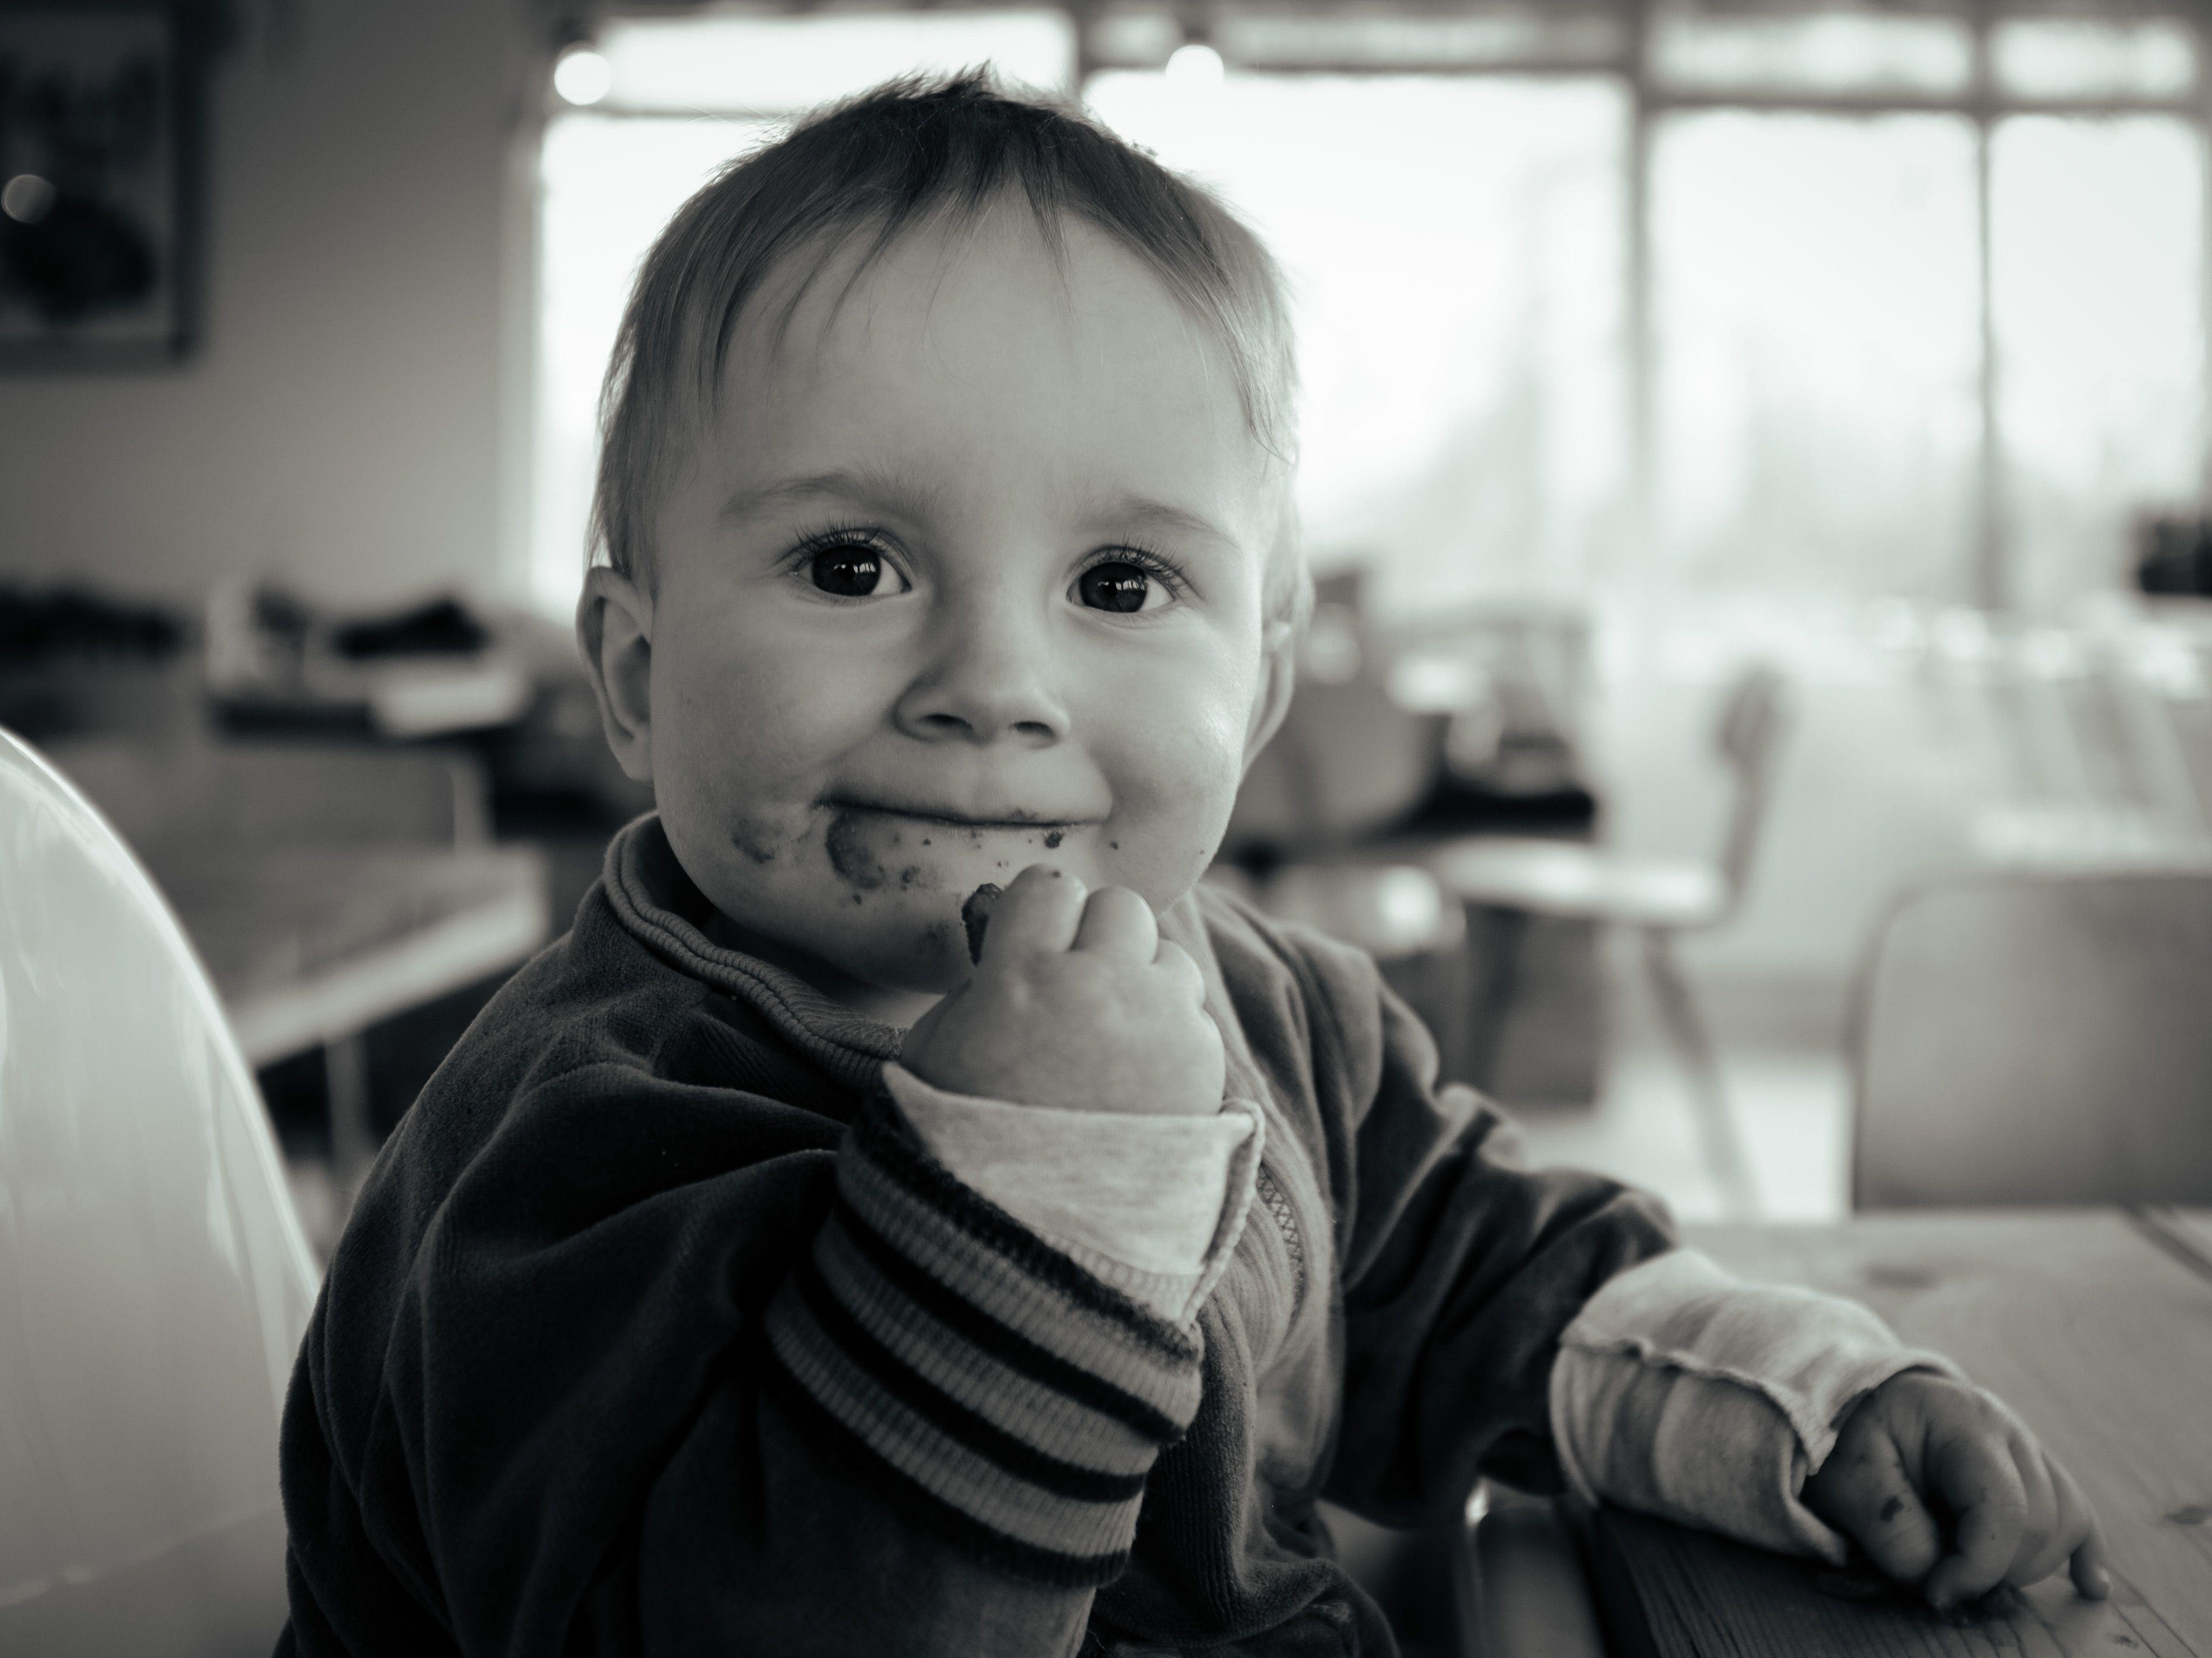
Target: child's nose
[(990, 680)]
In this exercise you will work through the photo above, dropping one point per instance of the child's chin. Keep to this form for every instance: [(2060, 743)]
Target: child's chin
[(911, 941)]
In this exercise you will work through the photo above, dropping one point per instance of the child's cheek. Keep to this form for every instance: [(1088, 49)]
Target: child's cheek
[(736, 760), (1178, 785)]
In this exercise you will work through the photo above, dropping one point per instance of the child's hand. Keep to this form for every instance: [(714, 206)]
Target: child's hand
[(1921, 1441), (1077, 1004)]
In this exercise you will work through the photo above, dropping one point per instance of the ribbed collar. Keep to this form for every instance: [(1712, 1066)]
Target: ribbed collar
[(657, 902)]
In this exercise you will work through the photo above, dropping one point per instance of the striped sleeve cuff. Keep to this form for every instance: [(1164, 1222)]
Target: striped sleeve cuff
[(986, 1378)]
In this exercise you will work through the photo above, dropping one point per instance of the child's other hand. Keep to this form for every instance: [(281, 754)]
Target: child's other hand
[(1922, 1445), (1077, 1004)]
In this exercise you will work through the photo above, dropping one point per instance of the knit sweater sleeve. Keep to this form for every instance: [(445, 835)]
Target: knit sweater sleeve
[(1461, 1269), (661, 1369)]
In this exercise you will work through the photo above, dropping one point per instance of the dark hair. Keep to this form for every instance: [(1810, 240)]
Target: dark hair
[(917, 151)]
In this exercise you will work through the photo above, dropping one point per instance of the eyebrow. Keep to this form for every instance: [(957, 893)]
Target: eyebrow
[(894, 493), (1141, 512), (887, 492)]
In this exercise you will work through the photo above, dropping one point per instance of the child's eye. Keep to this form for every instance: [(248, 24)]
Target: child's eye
[(1122, 587), (851, 570)]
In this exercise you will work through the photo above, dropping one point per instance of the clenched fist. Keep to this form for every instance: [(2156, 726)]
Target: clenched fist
[(1923, 1450), (1076, 1003)]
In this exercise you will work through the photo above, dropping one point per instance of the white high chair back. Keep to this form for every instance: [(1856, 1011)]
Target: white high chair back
[(154, 1282)]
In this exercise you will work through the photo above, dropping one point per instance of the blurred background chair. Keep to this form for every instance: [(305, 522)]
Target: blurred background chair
[(154, 1282), (1347, 764), (2037, 1039), (1397, 741), (1662, 898)]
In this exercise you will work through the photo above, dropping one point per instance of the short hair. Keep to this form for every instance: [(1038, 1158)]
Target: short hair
[(920, 151)]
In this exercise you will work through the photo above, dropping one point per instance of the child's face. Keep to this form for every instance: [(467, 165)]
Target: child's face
[(967, 577)]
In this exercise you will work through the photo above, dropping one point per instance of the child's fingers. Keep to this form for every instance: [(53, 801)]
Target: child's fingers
[(2082, 1536), (1975, 1473), (1873, 1496), (1176, 961), (1037, 916), (2040, 1548), (1118, 922)]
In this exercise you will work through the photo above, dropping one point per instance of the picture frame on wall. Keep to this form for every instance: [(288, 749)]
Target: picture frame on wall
[(100, 185)]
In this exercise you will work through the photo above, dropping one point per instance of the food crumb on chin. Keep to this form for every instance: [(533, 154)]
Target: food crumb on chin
[(940, 939), (854, 853)]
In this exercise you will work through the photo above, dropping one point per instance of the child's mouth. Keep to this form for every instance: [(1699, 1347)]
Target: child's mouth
[(1015, 818), (874, 846)]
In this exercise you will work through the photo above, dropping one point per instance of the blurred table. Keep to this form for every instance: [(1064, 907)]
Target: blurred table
[(308, 944), (2095, 1325)]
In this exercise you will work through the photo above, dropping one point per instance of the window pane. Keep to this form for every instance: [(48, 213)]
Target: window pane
[(2075, 58), (1141, 37), (2097, 280), (608, 184), (1454, 245), (1350, 38), (1818, 424), (772, 65), (1833, 53)]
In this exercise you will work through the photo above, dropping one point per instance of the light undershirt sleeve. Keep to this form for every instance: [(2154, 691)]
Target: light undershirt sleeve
[(1682, 1391), (1152, 1204)]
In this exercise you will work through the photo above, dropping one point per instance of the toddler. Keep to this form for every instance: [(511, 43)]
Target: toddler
[(765, 1273)]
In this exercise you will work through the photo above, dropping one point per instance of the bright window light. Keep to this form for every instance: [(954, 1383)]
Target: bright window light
[(1403, 40), (2082, 57), (780, 65), (1830, 52), (2098, 227), (1455, 252), (609, 182), (1818, 421)]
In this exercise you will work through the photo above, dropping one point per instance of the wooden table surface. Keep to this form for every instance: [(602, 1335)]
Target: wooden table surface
[(2095, 1325)]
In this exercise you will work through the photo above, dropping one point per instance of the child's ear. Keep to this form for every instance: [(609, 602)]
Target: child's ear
[(614, 628), (1279, 669)]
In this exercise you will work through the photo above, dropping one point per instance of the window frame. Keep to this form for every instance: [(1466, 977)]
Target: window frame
[(1984, 103)]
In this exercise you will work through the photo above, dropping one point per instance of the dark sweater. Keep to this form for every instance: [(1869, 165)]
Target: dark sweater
[(655, 1330)]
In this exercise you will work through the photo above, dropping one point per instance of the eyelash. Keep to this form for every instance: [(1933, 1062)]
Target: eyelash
[(1160, 568), (843, 535), (1157, 566)]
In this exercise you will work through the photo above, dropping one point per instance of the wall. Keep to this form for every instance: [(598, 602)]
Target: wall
[(341, 423)]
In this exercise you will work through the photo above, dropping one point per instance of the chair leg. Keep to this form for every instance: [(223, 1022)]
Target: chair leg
[(1678, 1008), (1522, 1590), (353, 1137), (1494, 940)]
